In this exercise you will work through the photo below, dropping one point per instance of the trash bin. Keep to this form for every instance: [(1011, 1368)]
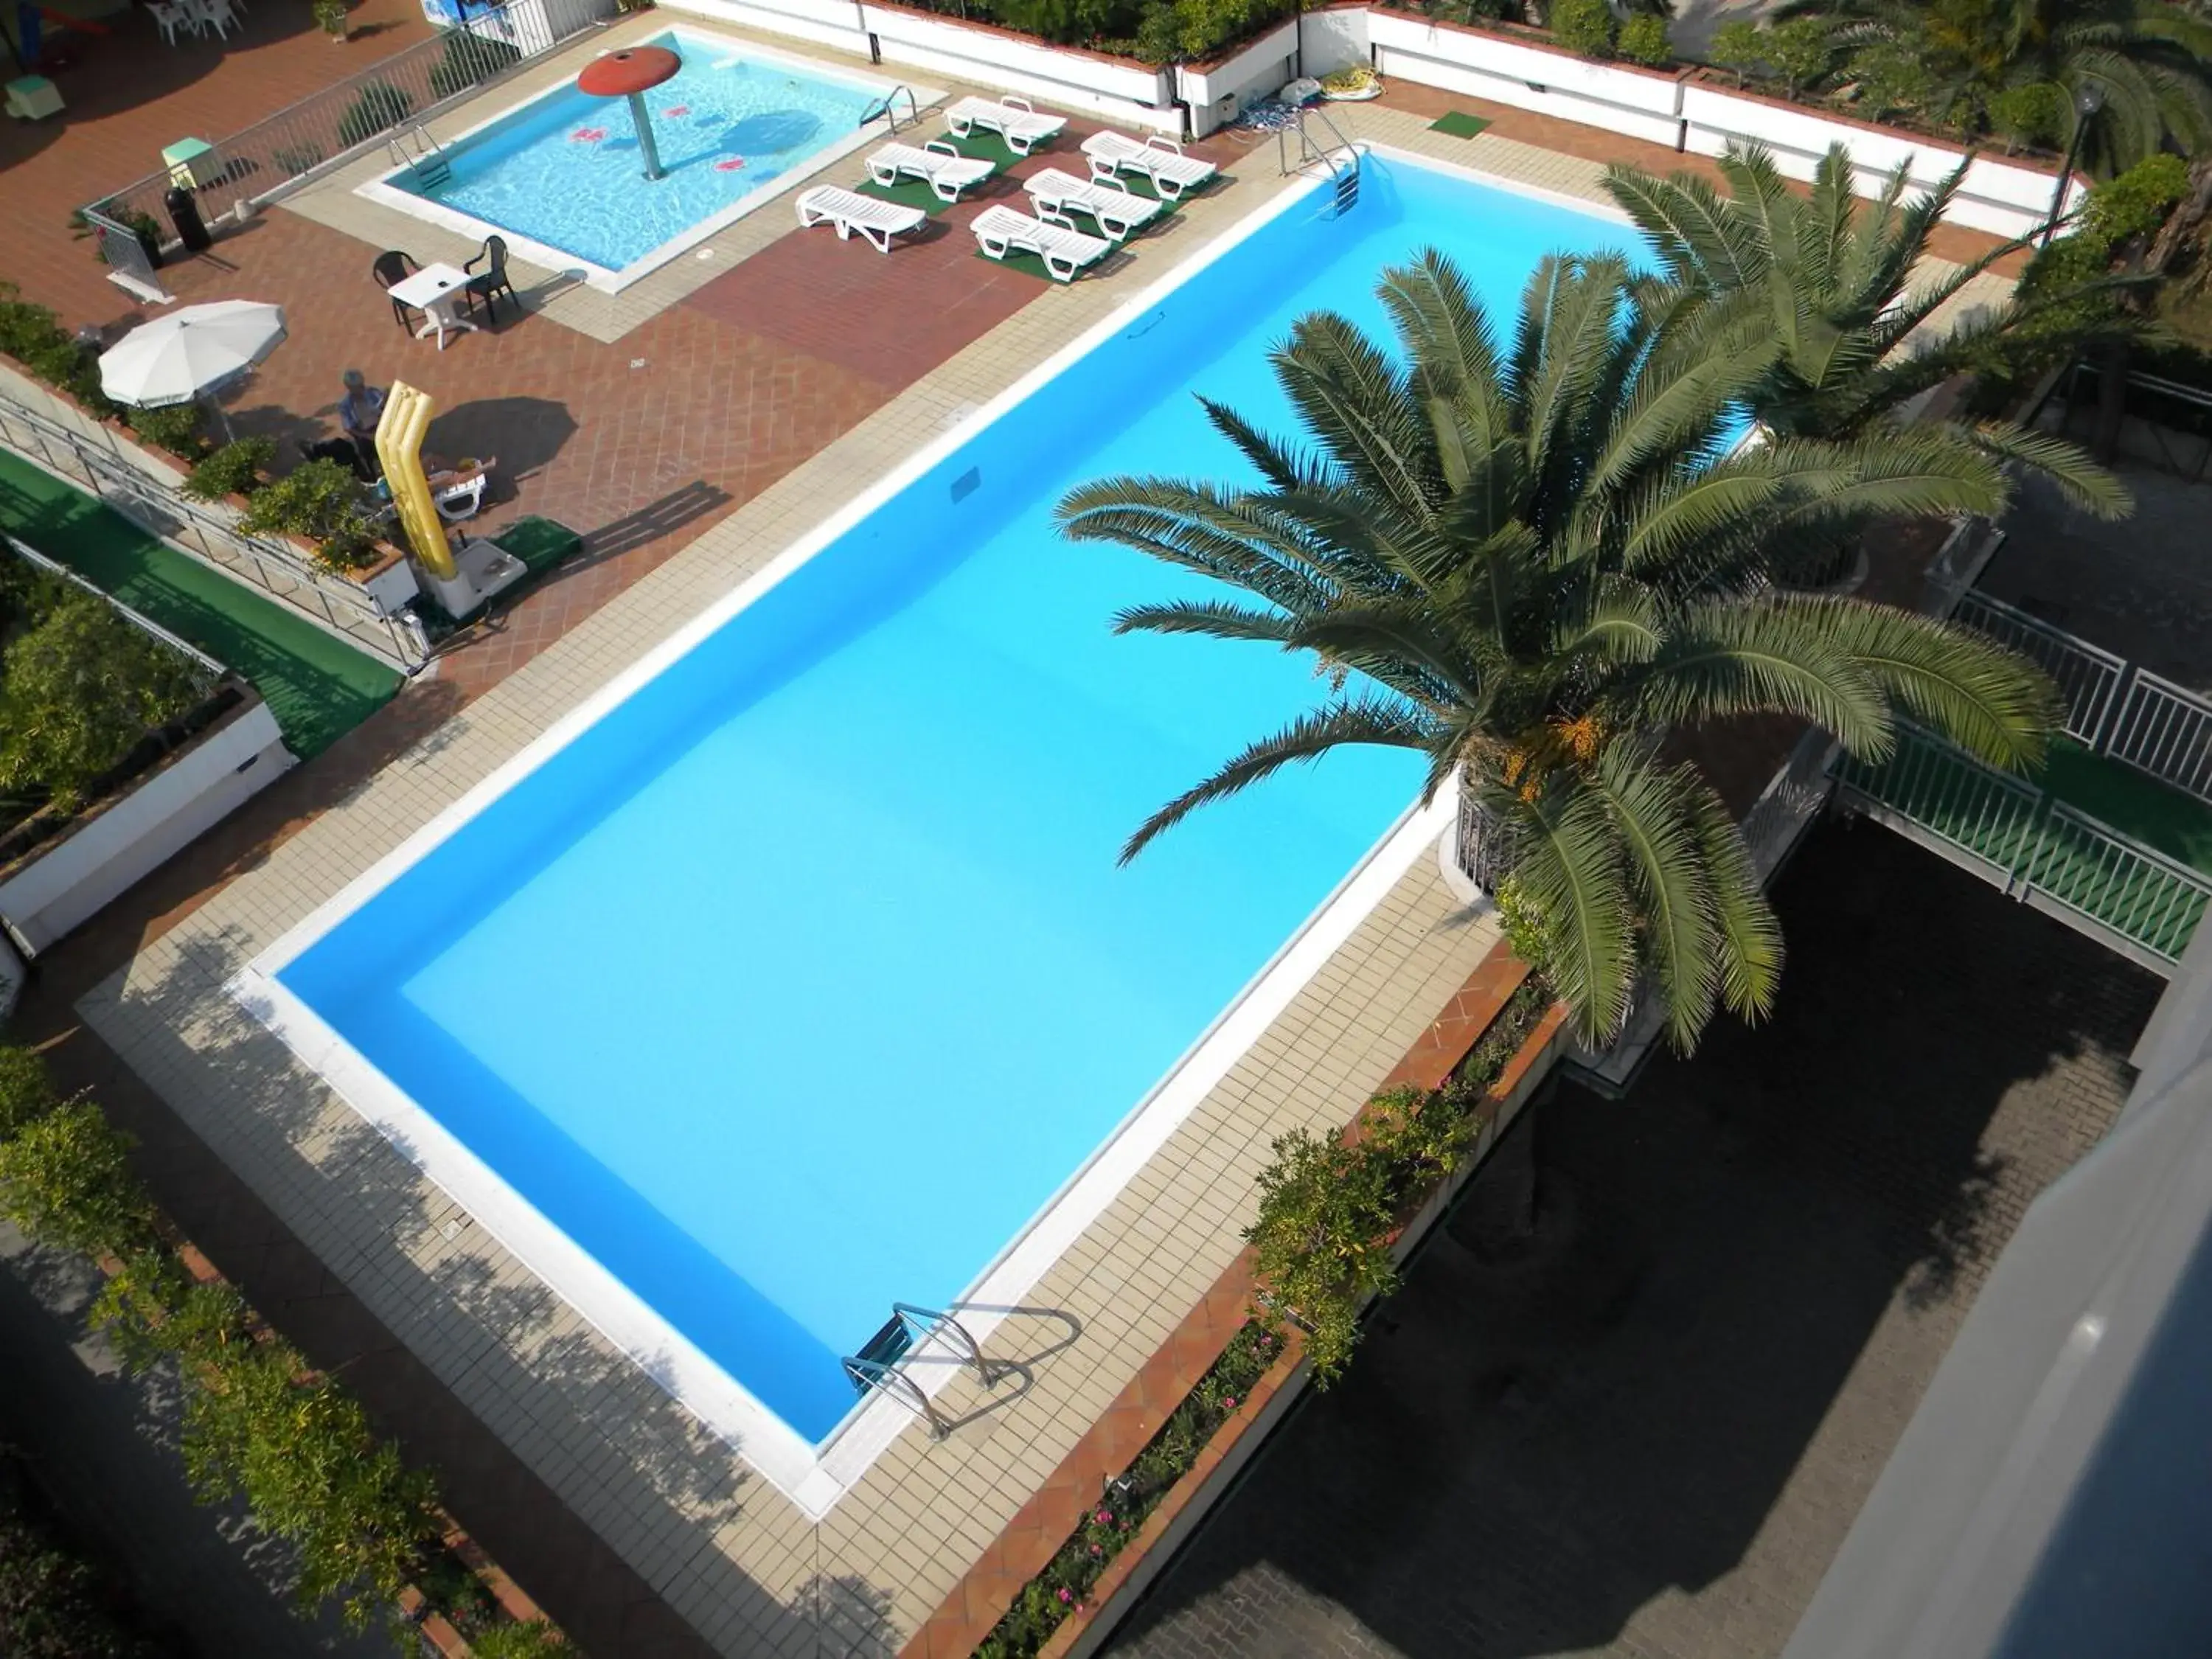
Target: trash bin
[(185, 213)]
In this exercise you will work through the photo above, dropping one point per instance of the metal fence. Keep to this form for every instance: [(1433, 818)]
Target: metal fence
[(2087, 677), (2165, 729), (201, 532), (2040, 850), (342, 119), (145, 625), (2113, 708)]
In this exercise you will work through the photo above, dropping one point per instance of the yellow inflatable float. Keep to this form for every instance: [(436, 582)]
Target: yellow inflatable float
[(399, 434)]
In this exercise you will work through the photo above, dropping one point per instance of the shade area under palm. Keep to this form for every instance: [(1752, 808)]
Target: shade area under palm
[(1527, 554)]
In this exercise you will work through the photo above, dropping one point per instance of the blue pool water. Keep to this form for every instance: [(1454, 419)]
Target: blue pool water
[(565, 169), (801, 980)]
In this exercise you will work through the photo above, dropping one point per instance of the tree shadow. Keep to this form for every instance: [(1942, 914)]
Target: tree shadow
[(1751, 1265)]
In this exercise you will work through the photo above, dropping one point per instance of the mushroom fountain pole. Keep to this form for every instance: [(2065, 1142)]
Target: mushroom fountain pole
[(632, 73)]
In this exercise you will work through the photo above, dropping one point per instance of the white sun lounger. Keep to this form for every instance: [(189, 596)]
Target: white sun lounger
[(1014, 119), (1160, 159), (936, 164), (1107, 202), (1064, 249), (877, 221)]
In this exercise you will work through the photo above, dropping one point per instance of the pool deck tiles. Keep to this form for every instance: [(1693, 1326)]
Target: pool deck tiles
[(741, 1565)]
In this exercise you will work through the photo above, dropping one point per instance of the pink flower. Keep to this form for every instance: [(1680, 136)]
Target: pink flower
[(1065, 1596), (1103, 1517), (1229, 1404), (1099, 1549)]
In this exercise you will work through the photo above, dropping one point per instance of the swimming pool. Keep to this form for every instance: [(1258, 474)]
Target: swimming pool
[(794, 975), (561, 175)]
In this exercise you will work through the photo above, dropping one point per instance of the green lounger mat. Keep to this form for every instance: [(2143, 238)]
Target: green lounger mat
[(541, 544), (1458, 124)]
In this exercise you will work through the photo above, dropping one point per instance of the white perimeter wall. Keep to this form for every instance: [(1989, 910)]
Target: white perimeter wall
[(66, 881), (2007, 198)]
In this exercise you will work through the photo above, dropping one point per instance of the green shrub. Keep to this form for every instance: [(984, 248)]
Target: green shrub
[(323, 502), (1326, 1210), (535, 1640), (467, 59), (180, 429), (2136, 202), (78, 690), (380, 105), (26, 1092), (1738, 47), (232, 469), (1802, 51), (2031, 114), (293, 161), (330, 17), (65, 1178), (1584, 25), (1644, 39)]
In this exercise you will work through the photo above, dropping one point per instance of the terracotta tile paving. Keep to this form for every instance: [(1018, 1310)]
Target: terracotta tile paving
[(128, 94)]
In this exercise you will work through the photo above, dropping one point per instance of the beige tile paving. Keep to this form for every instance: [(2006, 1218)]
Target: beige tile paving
[(720, 1544)]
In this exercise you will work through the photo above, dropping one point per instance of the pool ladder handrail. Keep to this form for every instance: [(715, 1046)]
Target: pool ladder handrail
[(432, 166), (885, 110), (877, 1366), (1344, 176)]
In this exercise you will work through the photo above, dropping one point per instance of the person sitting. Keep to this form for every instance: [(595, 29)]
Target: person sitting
[(359, 411)]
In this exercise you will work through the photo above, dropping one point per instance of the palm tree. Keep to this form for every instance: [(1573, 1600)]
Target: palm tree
[(2151, 61), (1833, 283), (1527, 562)]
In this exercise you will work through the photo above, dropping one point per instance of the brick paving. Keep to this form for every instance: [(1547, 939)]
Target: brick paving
[(128, 96), (1648, 1440)]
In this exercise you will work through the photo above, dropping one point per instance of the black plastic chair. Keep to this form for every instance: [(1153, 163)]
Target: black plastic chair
[(492, 281), (392, 266)]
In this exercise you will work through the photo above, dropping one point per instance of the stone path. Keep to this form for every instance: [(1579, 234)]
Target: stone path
[(1650, 1440)]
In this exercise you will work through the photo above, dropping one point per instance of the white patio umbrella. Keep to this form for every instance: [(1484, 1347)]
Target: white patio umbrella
[(190, 353)]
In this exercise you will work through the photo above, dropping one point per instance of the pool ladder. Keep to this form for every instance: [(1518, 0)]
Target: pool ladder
[(1341, 158), (886, 110), (878, 1368), (413, 146)]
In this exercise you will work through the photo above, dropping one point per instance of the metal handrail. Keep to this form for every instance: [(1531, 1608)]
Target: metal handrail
[(2088, 676), (137, 619), (922, 1325), (341, 606), (885, 111)]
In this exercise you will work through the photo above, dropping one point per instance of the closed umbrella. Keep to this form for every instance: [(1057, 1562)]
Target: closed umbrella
[(190, 353)]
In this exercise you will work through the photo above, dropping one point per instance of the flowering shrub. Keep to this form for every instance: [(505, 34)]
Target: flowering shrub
[(1063, 1588), (1328, 1212)]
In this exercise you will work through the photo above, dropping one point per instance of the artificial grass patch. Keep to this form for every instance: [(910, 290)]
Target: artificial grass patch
[(318, 688), (539, 543), (916, 192), (1457, 123), (2132, 802)]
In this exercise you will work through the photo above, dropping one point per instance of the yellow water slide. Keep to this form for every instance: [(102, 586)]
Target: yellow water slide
[(407, 415)]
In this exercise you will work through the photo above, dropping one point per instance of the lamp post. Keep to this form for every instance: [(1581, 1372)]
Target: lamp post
[(2087, 102)]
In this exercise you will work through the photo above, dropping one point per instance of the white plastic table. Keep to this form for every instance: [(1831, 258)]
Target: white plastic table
[(435, 291)]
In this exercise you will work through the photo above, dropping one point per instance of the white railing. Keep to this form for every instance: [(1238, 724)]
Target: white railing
[(2088, 677), (2165, 729), (2038, 849)]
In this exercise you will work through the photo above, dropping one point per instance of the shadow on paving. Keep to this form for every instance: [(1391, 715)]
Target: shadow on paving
[(1650, 1436)]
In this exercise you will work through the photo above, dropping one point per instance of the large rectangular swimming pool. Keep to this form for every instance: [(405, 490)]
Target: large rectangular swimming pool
[(803, 979)]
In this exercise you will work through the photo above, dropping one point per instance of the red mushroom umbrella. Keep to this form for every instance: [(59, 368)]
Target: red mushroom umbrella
[(631, 73)]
